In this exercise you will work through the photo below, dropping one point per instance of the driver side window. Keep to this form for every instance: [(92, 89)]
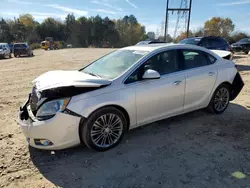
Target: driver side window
[(163, 63)]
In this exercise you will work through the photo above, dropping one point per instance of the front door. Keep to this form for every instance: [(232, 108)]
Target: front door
[(163, 97)]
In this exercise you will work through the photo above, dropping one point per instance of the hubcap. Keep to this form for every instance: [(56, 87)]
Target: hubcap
[(221, 99), (106, 130)]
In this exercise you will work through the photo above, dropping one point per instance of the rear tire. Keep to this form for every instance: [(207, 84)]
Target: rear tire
[(104, 129), (10, 56), (246, 52), (220, 99)]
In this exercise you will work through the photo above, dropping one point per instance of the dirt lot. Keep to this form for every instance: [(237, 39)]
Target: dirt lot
[(193, 150)]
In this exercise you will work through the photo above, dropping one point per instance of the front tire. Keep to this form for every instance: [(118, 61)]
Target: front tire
[(104, 129), (220, 100)]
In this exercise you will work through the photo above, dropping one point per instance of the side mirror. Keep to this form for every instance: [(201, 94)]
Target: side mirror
[(151, 74)]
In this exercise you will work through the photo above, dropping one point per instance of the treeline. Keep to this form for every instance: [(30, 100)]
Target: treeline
[(216, 26), (81, 32)]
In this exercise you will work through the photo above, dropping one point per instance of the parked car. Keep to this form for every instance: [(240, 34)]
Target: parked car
[(69, 45), (5, 50), (125, 89), (210, 42), (22, 49), (242, 46), (150, 42)]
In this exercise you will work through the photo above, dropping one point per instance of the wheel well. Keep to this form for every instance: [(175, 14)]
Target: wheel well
[(123, 111), (115, 106)]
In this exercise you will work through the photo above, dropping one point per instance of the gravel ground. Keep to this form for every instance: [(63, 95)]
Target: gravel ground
[(193, 150)]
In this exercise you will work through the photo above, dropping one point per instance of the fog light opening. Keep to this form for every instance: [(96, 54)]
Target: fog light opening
[(43, 142)]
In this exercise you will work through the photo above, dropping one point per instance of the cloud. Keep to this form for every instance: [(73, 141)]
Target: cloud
[(37, 15), (20, 2), (44, 15), (234, 3), (133, 5), (104, 11), (107, 5), (69, 10)]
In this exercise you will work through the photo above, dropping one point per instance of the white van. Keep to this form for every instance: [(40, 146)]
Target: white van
[(5, 50)]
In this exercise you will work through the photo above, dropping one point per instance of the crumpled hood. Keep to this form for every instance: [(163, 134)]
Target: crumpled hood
[(59, 78)]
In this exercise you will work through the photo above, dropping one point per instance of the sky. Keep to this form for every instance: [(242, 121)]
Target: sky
[(150, 13)]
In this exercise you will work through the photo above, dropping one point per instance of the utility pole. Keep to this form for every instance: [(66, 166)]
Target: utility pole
[(166, 22), (189, 16), (178, 10)]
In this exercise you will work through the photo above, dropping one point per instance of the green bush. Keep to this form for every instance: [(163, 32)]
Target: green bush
[(35, 46), (61, 45)]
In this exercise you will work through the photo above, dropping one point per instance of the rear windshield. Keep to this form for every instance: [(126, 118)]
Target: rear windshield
[(193, 41), (20, 46), (143, 42)]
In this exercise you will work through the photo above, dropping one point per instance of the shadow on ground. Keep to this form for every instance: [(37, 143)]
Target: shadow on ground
[(192, 150)]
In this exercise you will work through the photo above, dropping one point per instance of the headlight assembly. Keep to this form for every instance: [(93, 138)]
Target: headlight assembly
[(49, 109)]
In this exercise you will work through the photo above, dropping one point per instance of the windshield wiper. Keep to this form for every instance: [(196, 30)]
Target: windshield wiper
[(92, 74)]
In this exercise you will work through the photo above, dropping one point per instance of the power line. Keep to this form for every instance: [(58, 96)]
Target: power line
[(183, 9), (178, 19)]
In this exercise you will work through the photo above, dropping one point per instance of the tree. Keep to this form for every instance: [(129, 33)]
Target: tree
[(5, 33), (218, 26), (30, 26), (183, 35), (151, 35), (130, 31), (198, 33), (52, 28)]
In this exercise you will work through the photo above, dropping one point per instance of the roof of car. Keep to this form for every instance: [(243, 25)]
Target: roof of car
[(153, 47), (3, 43), (149, 47), (21, 43)]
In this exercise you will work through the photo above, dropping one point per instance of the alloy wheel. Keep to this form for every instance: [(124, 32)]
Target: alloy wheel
[(106, 130), (221, 99)]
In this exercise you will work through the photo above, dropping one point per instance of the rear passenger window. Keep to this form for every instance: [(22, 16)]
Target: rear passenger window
[(195, 59), (211, 59)]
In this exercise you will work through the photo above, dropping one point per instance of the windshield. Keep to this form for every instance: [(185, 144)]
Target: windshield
[(1, 47), (193, 41), (114, 64)]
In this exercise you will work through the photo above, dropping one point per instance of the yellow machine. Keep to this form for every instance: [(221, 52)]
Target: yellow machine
[(49, 43)]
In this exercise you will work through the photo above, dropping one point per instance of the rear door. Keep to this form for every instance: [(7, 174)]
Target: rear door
[(200, 74)]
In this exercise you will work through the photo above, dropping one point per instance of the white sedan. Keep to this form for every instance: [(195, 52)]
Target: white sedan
[(125, 89)]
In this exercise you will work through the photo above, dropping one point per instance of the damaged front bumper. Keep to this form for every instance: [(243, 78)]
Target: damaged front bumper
[(59, 132)]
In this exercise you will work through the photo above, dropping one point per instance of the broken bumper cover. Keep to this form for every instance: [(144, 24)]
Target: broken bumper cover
[(57, 133), (237, 86)]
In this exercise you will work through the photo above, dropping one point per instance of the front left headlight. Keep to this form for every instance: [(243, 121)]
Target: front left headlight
[(49, 109)]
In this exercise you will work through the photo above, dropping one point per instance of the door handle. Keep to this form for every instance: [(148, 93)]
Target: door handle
[(176, 83), (211, 73)]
